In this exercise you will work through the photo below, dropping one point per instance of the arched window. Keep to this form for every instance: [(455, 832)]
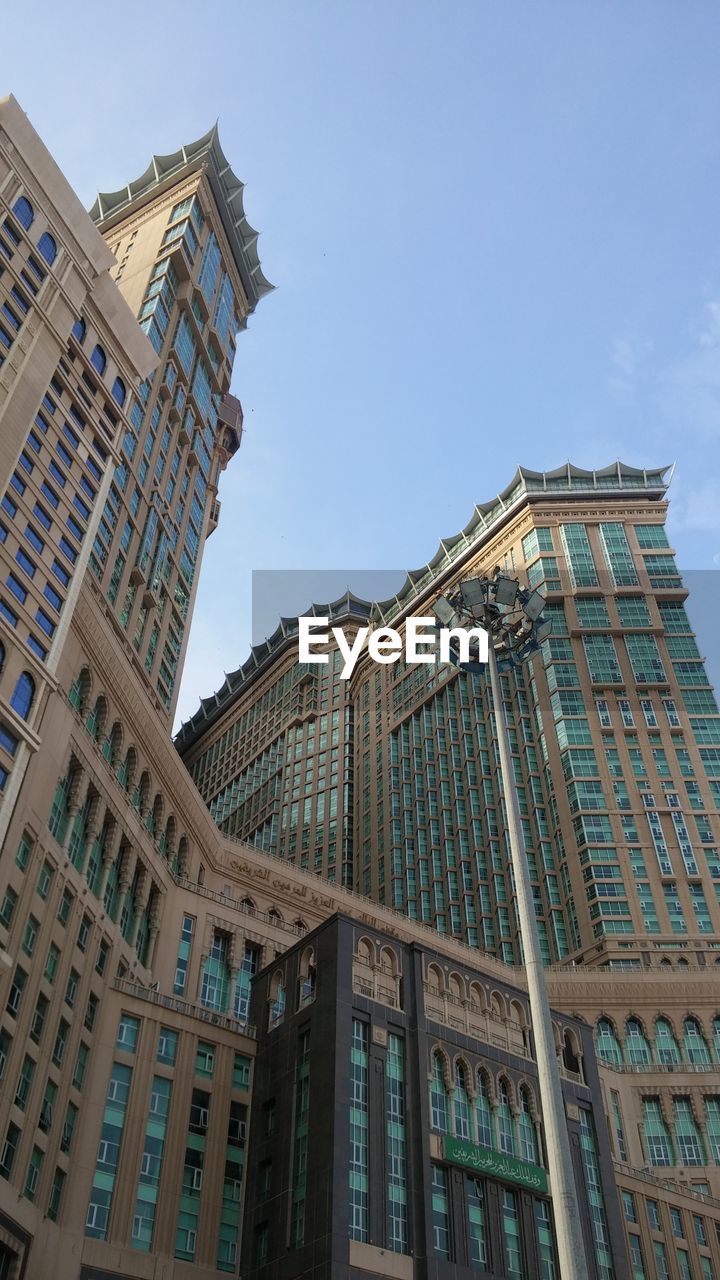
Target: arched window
[(95, 722), (667, 1051), (636, 1046), (24, 212), (307, 977), (607, 1046), (126, 772), (98, 359), (47, 247), (483, 1112), (80, 693), (506, 1128), (462, 1103), (23, 695), (527, 1132), (277, 1000), (119, 391), (113, 744), (696, 1049), (570, 1054), (79, 329), (155, 816), (183, 856), (438, 1097)]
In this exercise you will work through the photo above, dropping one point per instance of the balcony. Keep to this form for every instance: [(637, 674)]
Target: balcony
[(185, 1007), (470, 1019)]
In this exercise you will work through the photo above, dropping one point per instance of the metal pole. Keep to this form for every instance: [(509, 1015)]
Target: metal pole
[(568, 1227)]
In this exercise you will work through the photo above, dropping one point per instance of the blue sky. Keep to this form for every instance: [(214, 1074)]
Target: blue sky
[(494, 231)]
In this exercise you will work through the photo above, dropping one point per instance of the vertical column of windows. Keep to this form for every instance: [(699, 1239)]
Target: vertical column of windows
[(151, 1165), (108, 1155), (578, 555), (596, 1201), (232, 1187), (302, 1117), (397, 1227), (618, 556), (216, 975), (440, 1211), (183, 960), (359, 1183), (193, 1165)]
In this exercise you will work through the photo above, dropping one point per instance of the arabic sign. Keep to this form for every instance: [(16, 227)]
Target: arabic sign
[(483, 1160)]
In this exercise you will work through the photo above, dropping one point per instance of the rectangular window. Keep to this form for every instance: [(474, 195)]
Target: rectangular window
[(205, 1059), (167, 1046), (440, 1212), (15, 994), (127, 1034)]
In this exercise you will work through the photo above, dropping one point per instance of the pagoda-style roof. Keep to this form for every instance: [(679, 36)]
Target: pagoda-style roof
[(563, 482), (163, 171)]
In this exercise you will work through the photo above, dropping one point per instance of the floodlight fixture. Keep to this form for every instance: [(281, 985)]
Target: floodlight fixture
[(534, 605), (474, 591), (506, 590), (444, 611), (543, 631)]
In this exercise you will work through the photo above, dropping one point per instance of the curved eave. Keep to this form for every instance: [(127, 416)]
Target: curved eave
[(227, 189), (347, 607), (525, 484)]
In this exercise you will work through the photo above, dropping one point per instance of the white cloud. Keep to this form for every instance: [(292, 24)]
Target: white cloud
[(688, 390), (629, 355), (696, 507)]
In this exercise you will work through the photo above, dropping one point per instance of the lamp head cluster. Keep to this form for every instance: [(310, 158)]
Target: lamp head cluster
[(511, 615)]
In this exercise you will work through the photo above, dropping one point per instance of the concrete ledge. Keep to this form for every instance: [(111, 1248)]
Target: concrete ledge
[(381, 1262)]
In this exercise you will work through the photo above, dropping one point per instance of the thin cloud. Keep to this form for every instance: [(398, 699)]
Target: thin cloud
[(629, 358), (688, 390)]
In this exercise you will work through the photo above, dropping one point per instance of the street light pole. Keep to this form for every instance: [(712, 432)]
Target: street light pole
[(511, 615), (568, 1227)]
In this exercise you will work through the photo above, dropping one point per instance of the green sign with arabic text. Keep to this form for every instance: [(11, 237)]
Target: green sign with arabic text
[(494, 1163)]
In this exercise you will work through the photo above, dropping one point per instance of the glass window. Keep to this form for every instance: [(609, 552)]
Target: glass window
[(23, 695), (167, 1046), (440, 1212), (47, 247), (24, 212), (98, 359), (127, 1035)]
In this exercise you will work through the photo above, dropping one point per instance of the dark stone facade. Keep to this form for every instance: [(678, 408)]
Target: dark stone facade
[(324, 990)]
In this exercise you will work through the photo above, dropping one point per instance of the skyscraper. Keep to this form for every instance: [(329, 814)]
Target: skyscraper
[(168, 990), (187, 265), (615, 732)]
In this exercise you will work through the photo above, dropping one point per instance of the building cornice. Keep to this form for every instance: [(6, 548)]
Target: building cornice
[(164, 171)]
